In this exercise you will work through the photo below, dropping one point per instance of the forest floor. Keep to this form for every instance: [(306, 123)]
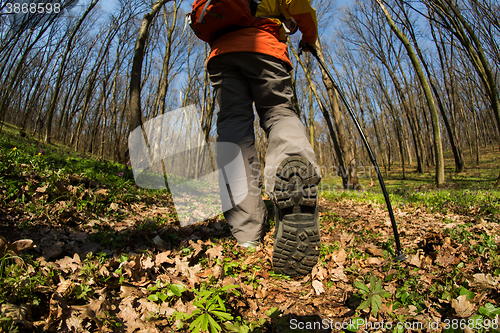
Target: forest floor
[(84, 250)]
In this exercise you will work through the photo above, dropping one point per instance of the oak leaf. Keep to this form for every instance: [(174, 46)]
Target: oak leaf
[(485, 281), (462, 306), (215, 252), (163, 258)]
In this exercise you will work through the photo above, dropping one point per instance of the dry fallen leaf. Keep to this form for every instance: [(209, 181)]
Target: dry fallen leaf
[(42, 189), (287, 306), (280, 298), (204, 274), (15, 248), (102, 191), (215, 252), (462, 306), (147, 262), (485, 281), (374, 251), (182, 268), (415, 260), (20, 245), (253, 305), (127, 290), (338, 274), (163, 257), (248, 289), (18, 313), (129, 315), (64, 288), (373, 261), (340, 256), (318, 287), (69, 264), (346, 238), (74, 322), (319, 273)]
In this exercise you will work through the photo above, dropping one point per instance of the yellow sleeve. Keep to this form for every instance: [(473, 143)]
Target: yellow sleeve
[(305, 16)]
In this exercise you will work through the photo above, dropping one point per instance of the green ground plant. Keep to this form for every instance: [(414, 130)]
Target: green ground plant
[(165, 293), (459, 201), (373, 295), (17, 283), (211, 310)]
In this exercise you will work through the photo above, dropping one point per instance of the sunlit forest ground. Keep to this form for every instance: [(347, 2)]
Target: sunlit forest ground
[(85, 250)]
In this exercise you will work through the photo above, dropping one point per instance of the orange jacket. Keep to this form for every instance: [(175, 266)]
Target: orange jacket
[(269, 37)]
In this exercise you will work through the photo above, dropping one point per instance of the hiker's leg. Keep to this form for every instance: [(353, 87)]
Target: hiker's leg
[(292, 175), (235, 125), (272, 90)]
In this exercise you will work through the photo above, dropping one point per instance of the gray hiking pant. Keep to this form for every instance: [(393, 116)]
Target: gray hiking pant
[(240, 79)]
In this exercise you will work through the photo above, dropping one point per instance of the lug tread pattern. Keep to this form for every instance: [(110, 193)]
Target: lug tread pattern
[(297, 241)]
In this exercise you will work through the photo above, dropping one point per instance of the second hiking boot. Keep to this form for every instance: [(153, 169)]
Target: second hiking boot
[(297, 241)]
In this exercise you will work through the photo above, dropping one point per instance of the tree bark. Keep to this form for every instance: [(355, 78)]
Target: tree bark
[(428, 95), (62, 67), (5, 101), (135, 75), (454, 141), (165, 72), (470, 41), (348, 165)]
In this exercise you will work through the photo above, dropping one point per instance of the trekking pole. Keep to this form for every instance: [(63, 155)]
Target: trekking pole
[(400, 256)]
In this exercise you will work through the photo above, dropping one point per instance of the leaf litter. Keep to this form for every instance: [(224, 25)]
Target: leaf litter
[(102, 271)]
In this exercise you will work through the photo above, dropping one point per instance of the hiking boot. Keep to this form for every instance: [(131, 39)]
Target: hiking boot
[(297, 241)]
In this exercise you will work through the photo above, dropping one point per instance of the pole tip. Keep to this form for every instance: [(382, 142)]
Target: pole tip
[(400, 257)]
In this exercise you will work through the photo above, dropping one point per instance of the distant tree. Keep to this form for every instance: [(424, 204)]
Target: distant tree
[(427, 92)]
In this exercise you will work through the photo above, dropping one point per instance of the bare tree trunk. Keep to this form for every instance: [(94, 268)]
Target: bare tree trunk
[(474, 115), (460, 27), (469, 40), (135, 75), (379, 141), (395, 119), (348, 165), (165, 72), (32, 98), (5, 101), (62, 67), (428, 94), (455, 146), (113, 30)]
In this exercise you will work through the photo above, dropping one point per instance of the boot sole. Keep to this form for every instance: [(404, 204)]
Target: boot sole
[(297, 242)]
